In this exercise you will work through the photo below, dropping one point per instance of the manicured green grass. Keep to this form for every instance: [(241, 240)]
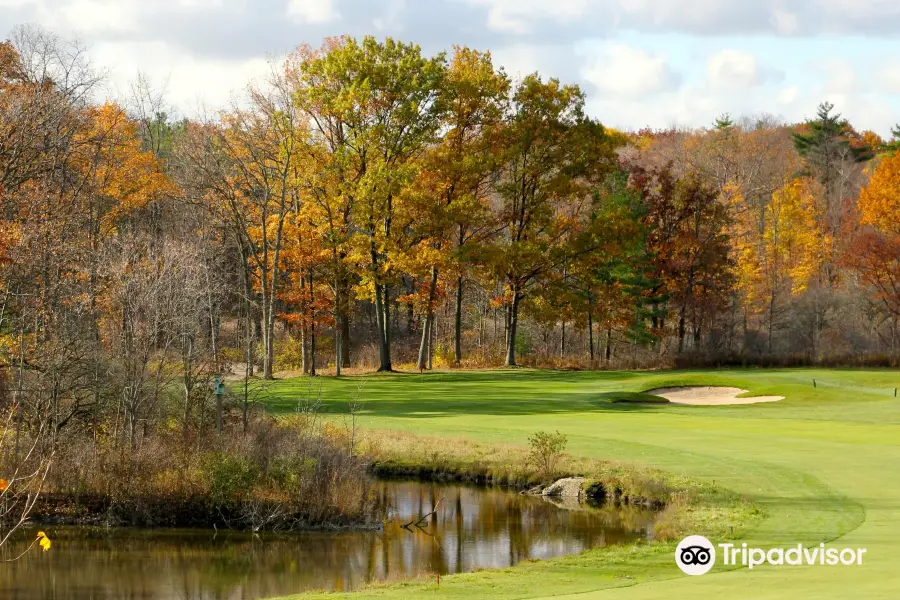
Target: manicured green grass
[(631, 398), (822, 465)]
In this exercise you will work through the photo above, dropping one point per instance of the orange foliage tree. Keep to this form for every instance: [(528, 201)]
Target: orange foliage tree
[(875, 253)]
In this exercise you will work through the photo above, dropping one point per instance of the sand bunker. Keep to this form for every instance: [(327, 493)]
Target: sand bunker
[(710, 396)]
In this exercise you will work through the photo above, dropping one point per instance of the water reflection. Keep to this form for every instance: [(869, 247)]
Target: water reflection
[(470, 528)]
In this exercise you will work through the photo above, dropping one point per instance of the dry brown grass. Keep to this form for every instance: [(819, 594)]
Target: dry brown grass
[(280, 474)]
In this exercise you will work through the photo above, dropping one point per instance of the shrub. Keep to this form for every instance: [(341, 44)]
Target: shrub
[(230, 478), (289, 353), (546, 450)]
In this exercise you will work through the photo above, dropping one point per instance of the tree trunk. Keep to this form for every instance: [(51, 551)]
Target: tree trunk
[(269, 343), (562, 341), (304, 345), (771, 319), (246, 404), (430, 363), (682, 315), (312, 351), (251, 323), (425, 343), (132, 430), (698, 331), (387, 326), (609, 343), (457, 324), (512, 329), (304, 350), (410, 309), (251, 344), (421, 363), (341, 314), (187, 350), (590, 316), (214, 321), (345, 337), (382, 320), (338, 330), (187, 414)]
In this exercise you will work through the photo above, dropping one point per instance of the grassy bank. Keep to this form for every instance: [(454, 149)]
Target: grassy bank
[(820, 466), (686, 503)]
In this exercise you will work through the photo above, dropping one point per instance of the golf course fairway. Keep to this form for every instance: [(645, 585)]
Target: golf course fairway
[(822, 465)]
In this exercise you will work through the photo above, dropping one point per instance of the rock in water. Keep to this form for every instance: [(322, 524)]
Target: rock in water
[(569, 487)]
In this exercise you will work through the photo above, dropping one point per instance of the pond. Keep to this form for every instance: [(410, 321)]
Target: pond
[(472, 528)]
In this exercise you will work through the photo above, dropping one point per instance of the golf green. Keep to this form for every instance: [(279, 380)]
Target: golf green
[(823, 465)]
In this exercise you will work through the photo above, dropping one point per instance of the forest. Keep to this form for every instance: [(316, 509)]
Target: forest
[(369, 207)]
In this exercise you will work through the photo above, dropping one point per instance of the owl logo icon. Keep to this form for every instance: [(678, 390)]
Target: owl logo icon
[(695, 555)]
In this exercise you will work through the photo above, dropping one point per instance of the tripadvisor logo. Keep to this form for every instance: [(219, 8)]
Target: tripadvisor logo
[(696, 555)]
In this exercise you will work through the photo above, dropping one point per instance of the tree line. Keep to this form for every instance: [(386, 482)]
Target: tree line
[(369, 205)]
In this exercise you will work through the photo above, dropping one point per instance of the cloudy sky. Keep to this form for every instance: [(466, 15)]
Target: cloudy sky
[(642, 62)]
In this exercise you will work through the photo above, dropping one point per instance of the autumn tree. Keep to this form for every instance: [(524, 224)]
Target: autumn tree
[(828, 145), (608, 278), (324, 92), (875, 252), (552, 154), (249, 164), (445, 208), (305, 294), (688, 245), (786, 260), (832, 152), (375, 107), (893, 144)]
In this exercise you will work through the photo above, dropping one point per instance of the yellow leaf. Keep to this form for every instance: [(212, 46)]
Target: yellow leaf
[(45, 541), (3, 485)]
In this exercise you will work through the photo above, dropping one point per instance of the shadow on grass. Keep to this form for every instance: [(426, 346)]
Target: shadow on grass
[(504, 392)]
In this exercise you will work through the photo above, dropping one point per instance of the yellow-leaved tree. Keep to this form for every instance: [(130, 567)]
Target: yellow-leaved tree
[(874, 253), (879, 201), (785, 258)]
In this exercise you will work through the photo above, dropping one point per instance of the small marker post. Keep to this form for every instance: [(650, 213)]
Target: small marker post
[(895, 392), (814, 383)]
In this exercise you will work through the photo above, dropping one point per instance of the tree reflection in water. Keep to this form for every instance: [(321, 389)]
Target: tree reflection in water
[(472, 528)]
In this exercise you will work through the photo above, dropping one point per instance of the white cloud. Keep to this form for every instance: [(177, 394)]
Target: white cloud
[(841, 77), (697, 104), (733, 70), (313, 11), (865, 111), (204, 4), (93, 16), (520, 60), (784, 22), (642, 62), (858, 9), (390, 19), (704, 15), (191, 81), (625, 71), (520, 16), (889, 77), (788, 95), (81, 17)]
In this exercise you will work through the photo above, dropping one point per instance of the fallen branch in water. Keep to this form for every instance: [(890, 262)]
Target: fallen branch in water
[(433, 512)]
